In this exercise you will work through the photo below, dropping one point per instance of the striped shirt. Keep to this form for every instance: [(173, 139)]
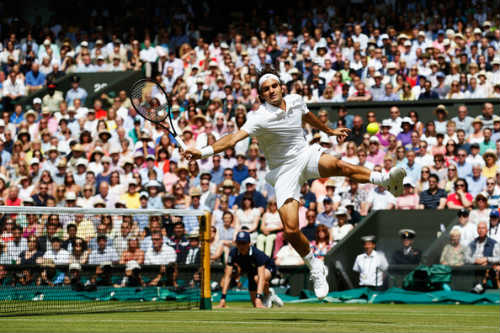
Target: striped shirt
[(431, 201)]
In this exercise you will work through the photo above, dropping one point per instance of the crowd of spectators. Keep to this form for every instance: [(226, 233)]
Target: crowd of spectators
[(64, 150)]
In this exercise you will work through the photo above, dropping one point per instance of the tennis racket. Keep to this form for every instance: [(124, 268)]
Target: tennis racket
[(150, 101)]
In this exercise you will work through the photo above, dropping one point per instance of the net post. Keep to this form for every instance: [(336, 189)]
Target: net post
[(205, 293)]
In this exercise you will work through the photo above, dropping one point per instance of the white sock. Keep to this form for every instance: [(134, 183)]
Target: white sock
[(309, 258), (376, 178)]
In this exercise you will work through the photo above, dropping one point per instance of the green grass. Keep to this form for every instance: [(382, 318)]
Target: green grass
[(240, 317)]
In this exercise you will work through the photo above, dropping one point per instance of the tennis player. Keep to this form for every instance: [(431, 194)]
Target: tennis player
[(277, 125)]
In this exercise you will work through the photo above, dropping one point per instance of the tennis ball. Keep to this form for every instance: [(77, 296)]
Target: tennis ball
[(372, 128)]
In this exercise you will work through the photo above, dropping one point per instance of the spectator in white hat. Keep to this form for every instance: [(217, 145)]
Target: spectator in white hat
[(409, 199), (342, 227)]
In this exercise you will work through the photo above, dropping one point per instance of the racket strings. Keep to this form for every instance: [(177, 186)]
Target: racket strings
[(148, 103)]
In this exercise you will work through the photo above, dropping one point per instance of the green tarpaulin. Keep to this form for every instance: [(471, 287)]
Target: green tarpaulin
[(359, 295)]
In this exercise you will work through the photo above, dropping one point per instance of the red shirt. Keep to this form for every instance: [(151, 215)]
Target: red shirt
[(10, 202), (100, 114), (454, 198)]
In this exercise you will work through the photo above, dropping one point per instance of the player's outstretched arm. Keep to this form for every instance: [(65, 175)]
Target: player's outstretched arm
[(219, 146), (314, 121)]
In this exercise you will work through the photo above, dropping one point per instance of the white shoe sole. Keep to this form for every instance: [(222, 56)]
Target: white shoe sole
[(395, 185)]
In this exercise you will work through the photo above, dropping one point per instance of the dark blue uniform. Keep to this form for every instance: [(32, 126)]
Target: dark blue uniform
[(250, 262)]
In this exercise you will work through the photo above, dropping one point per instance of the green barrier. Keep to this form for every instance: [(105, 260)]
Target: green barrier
[(94, 83), (425, 108), (397, 295)]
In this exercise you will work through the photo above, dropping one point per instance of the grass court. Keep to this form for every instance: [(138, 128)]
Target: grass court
[(240, 317)]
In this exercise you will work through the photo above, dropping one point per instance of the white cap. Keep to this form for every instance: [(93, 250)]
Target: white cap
[(407, 120), (341, 211), (250, 180), (392, 65), (408, 181), (131, 265), (84, 44), (407, 43), (81, 161), (35, 160), (115, 149), (153, 183), (477, 31), (374, 138), (100, 57), (37, 100), (2, 122), (46, 42)]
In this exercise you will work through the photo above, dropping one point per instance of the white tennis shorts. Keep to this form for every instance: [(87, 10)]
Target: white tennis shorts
[(288, 178)]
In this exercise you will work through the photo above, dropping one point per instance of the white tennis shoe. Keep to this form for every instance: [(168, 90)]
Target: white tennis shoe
[(319, 272), (275, 299), (268, 301), (394, 183)]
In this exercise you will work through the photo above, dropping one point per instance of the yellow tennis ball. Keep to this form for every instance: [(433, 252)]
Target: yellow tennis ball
[(372, 128)]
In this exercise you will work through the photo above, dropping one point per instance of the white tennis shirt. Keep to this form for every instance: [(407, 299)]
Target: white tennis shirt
[(279, 132)]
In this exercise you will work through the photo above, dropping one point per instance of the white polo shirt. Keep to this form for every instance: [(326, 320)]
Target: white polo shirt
[(166, 256), (371, 268), (279, 132)]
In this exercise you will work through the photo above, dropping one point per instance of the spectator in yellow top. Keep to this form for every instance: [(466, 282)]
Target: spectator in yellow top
[(490, 168), (131, 197)]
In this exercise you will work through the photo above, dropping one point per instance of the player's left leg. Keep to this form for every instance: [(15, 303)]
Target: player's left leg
[(330, 166), (289, 213)]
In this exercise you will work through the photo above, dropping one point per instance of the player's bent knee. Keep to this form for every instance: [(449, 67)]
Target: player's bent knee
[(291, 231)]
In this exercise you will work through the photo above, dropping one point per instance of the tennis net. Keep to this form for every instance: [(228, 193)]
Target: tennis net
[(75, 260)]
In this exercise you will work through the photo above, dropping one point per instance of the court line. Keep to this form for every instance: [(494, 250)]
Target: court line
[(257, 322)]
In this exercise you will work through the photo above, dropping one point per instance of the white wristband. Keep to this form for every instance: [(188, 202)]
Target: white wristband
[(207, 152)]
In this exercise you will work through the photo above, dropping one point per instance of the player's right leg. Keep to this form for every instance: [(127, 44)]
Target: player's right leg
[(289, 213), (330, 166)]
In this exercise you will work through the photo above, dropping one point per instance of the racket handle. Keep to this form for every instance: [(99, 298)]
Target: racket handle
[(181, 143)]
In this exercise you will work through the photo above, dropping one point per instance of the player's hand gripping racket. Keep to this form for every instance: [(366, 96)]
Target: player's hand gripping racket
[(151, 102)]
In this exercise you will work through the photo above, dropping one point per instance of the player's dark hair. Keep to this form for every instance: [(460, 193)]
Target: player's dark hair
[(266, 70)]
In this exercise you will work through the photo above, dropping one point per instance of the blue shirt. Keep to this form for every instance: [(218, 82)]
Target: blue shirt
[(240, 174), (191, 222), (412, 171), (259, 201), (15, 119), (476, 185), (73, 94), (35, 80), (464, 170), (5, 155), (217, 175), (251, 261), (325, 219)]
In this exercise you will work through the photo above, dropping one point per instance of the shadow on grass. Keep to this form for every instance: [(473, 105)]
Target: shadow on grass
[(307, 320)]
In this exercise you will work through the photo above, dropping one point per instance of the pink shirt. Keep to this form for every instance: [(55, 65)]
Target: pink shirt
[(377, 158), (407, 201)]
